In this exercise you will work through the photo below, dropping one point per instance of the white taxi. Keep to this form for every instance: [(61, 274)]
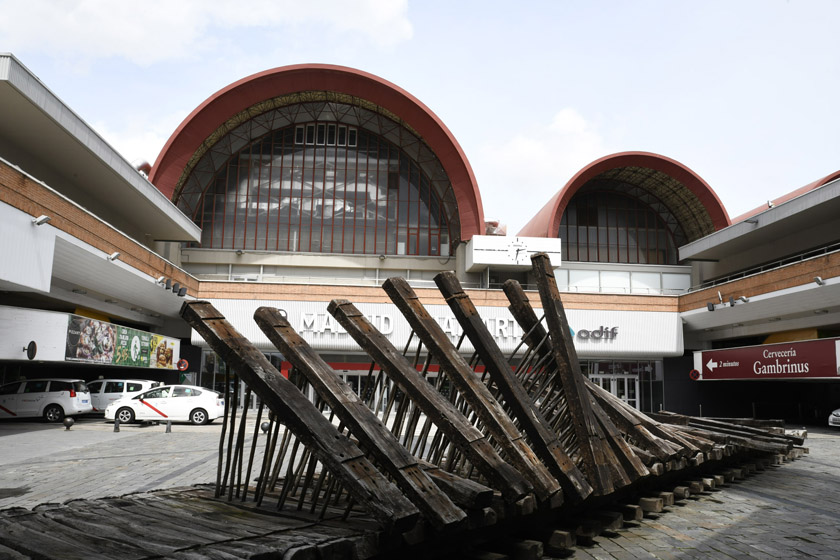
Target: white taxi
[(178, 403), (105, 391), (52, 399)]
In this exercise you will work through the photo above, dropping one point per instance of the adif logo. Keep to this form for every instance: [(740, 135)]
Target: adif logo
[(603, 333)]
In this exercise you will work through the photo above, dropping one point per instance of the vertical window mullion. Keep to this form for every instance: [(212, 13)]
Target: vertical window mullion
[(280, 186), (323, 197), (367, 193), (302, 151)]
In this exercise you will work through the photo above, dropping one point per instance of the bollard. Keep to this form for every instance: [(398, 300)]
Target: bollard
[(68, 422), (169, 426), (116, 425)]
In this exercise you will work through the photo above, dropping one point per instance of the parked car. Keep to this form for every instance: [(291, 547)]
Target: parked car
[(52, 399), (179, 403), (834, 419), (105, 391)]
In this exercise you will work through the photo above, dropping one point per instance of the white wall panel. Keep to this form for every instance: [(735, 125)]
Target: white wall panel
[(26, 251), (637, 334), (18, 327)]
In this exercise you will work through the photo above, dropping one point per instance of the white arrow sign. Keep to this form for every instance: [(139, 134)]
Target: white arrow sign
[(712, 365)]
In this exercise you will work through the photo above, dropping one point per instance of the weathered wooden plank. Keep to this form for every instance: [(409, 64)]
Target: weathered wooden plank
[(523, 313), (577, 396), (652, 435), (631, 466), (486, 407), (37, 536), (119, 530), (723, 436), (338, 454), (448, 419), (363, 423), (542, 439), (614, 449), (745, 431), (463, 491), (184, 524), (9, 554), (630, 425)]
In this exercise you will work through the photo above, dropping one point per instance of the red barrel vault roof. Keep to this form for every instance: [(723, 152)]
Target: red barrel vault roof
[(697, 199), (247, 92)]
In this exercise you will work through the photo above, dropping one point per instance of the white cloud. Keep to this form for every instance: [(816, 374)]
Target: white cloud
[(158, 30), (138, 137), (519, 175)]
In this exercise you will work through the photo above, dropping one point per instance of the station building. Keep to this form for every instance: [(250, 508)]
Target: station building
[(302, 184)]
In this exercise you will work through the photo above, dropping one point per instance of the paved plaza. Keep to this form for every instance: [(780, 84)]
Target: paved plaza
[(789, 511)]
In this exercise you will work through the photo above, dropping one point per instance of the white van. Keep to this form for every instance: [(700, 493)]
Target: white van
[(105, 391), (53, 399)]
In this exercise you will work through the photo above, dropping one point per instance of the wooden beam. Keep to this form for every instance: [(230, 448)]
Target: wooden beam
[(492, 415), (448, 419), (592, 452), (372, 434), (543, 440), (338, 454)]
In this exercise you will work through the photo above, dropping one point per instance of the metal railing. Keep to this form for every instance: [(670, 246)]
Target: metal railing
[(787, 261)]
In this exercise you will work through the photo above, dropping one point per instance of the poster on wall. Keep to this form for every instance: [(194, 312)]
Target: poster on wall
[(132, 347), (89, 340), (100, 342), (164, 352)]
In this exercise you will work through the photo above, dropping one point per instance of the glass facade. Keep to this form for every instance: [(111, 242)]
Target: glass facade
[(639, 383), (325, 186), (619, 226)]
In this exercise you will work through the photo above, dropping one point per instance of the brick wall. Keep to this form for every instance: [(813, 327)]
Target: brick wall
[(22, 192)]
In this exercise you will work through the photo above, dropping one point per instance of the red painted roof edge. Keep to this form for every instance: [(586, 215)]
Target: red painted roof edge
[(240, 95), (546, 223)]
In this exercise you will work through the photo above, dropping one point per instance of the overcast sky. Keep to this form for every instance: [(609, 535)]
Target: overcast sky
[(745, 93)]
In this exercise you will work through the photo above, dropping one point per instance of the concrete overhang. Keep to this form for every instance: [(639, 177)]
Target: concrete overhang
[(45, 138), (819, 207), (801, 307)]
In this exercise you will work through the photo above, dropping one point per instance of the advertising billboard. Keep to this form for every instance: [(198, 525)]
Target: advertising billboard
[(99, 342)]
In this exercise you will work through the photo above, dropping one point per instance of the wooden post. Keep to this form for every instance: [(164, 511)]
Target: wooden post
[(448, 419), (338, 454), (486, 407), (372, 434), (544, 442), (593, 451)]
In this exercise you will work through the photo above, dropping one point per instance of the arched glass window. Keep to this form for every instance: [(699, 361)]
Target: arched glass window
[(616, 227), (349, 180)]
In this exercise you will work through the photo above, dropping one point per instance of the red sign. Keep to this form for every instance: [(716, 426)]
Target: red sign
[(810, 359)]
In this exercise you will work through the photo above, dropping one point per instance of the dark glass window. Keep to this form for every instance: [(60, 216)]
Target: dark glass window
[(35, 386), (611, 226), (324, 187), (9, 389), (114, 387), (59, 386)]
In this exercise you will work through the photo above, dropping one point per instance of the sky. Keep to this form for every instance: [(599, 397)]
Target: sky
[(745, 93)]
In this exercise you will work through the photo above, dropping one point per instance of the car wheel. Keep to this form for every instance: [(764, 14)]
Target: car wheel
[(125, 416), (53, 413), (198, 416)]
